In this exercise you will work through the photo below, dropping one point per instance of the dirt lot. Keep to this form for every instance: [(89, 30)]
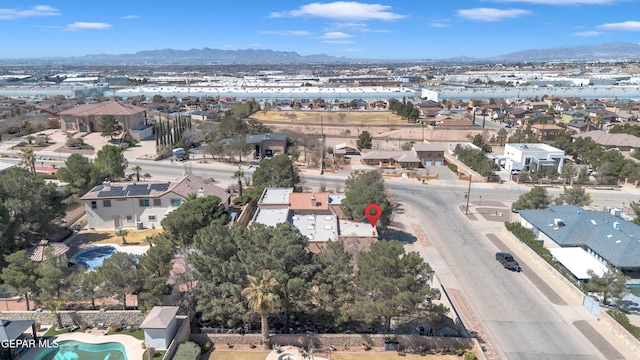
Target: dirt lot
[(329, 118)]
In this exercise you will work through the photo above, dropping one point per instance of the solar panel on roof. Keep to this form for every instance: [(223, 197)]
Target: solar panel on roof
[(112, 193), (139, 192), (159, 187), (137, 187), (97, 188), (116, 188)]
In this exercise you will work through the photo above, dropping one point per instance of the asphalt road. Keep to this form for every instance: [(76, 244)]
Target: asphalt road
[(512, 312)]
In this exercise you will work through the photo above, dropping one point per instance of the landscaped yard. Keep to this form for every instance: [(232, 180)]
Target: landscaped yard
[(134, 237), (260, 355)]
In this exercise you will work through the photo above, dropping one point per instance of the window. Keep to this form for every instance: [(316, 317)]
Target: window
[(152, 218), (428, 153), (94, 204), (157, 202), (106, 203), (144, 202), (129, 218), (175, 202)]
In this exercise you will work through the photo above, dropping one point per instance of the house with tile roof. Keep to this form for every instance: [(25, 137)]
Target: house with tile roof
[(604, 235), (622, 142), (85, 118), (114, 205)]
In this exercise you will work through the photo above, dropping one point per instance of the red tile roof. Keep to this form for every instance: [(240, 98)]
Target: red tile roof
[(114, 108)]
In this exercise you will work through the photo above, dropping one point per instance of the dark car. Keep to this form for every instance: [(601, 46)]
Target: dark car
[(508, 261)]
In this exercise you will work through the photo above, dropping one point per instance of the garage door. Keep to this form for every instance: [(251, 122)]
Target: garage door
[(438, 162), (427, 163)]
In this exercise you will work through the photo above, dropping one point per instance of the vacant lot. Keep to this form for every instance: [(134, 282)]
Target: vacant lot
[(331, 118)]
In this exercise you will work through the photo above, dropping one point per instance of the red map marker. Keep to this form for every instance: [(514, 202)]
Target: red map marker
[(373, 219)]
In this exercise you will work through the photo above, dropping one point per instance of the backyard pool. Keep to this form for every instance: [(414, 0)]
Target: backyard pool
[(76, 350), (93, 256)]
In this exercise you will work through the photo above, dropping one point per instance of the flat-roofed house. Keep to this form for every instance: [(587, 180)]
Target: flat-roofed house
[(267, 145)]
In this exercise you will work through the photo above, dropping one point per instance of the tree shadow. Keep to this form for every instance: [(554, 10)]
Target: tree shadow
[(397, 234)]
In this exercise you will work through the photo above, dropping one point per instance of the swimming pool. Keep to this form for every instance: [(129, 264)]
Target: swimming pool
[(76, 350), (634, 289), (93, 257)]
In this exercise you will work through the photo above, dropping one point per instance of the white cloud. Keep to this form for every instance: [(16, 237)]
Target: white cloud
[(440, 24), (621, 26), (36, 11), (343, 10), (563, 2), (335, 35), (79, 25), (491, 15), (351, 50), (588, 33), (338, 42), (286, 32), (127, 17)]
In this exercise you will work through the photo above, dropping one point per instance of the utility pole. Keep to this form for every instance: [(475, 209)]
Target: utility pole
[(466, 211)]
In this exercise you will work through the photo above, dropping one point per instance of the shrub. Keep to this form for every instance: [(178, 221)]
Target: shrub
[(469, 356), (623, 320), (453, 167), (187, 351), (459, 352), (242, 200)]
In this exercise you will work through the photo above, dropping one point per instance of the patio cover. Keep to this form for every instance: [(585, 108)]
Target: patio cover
[(578, 261), (12, 329)]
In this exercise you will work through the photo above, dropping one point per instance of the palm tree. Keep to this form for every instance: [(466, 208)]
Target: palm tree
[(46, 138), (137, 169), (262, 299), (123, 233), (28, 159), (239, 174)]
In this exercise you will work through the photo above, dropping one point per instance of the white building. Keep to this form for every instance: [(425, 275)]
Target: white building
[(160, 326), (143, 205), (532, 157)]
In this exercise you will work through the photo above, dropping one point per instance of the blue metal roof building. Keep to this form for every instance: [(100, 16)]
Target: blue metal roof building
[(606, 236)]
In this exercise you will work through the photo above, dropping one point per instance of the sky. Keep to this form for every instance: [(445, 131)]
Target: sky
[(378, 29)]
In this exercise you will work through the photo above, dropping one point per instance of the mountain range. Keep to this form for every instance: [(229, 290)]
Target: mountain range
[(613, 51)]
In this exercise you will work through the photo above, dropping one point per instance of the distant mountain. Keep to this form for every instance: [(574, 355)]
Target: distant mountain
[(214, 56), (615, 51)]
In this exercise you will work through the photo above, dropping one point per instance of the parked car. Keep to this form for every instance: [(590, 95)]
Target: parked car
[(508, 261)]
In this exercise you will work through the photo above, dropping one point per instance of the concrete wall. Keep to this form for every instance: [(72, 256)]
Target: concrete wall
[(462, 168), (343, 342), (89, 317), (182, 335)]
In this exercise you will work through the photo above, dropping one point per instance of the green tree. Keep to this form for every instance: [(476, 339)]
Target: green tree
[(111, 162), (356, 200), (20, 273), (123, 234), (239, 175), (239, 146), (635, 206), (390, 283), (181, 224), (119, 274), (537, 198), (34, 207), (574, 195), (263, 299), (613, 284), (79, 174), (137, 169), (28, 159), (478, 140), (568, 172), (277, 171), (154, 268), (187, 351), (583, 176), (90, 286), (502, 136), (331, 292), (372, 178), (108, 126), (364, 141)]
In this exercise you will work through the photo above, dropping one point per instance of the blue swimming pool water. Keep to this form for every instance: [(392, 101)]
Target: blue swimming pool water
[(76, 350), (93, 257)]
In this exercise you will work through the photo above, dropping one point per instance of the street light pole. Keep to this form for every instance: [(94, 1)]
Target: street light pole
[(466, 211)]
